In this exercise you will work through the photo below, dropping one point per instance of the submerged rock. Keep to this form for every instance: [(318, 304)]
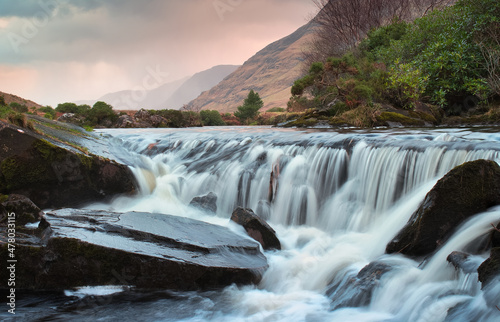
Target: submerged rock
[(256, 228), (145, 250), (207, 202), (468, 189), (357, 291), (53, 176)]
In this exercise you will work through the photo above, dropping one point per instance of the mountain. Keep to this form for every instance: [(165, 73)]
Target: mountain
[(172, 95), (11, 98), (271, 72), (130, 100), (197, 84)]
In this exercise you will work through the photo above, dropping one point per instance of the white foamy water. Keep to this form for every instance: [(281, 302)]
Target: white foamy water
[(335, 200)]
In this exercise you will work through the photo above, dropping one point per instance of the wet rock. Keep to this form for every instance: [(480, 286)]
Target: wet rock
[(495, 237), (467, 263), (357, 291), (490, 268), (256, 228), (468, 189), (207, 202), (25, 210), (53, 176), (145, 250)]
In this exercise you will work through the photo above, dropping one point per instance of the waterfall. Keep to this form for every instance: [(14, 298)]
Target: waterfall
[(335, 200)]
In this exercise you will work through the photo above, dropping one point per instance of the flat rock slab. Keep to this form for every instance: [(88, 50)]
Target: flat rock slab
[(86, 247)]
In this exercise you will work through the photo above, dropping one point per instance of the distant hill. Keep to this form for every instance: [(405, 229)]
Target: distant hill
[(124, 100), (171, 95), (10, 98), (271, 72), (197, 84)]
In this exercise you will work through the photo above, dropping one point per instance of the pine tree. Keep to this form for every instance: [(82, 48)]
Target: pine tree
[(250, 108)]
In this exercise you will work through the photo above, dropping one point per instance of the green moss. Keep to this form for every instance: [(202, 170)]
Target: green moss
[(399, 118), (429, 118)]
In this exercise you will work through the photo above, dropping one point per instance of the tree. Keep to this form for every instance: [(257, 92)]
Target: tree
[(250, 108), (211, 118), (100, 112), (342, 24)]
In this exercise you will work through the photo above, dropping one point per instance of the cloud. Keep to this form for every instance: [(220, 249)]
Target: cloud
[(183, 37)]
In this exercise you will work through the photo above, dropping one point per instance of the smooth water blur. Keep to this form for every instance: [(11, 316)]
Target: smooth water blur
[(335, 199)]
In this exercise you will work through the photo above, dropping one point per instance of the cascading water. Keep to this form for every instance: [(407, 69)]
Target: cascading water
[(335, 199)]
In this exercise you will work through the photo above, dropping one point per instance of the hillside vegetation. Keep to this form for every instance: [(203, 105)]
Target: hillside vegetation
[(440, 66)]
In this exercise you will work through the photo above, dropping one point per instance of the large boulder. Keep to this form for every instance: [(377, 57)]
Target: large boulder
[(490, 268), (256, 228), (468, 189), (57, 176), (207, 202), (144, 250)]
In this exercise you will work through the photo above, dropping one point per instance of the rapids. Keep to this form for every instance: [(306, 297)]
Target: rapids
[(335, 199)]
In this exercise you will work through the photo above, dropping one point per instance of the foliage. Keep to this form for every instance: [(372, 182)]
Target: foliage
[(73, 108), (211, 118), (179, 119), (21, 108), (407, 84), (250, 108), (443, 47), (276, 110), (101, 112), (50, 113), (2, 101)]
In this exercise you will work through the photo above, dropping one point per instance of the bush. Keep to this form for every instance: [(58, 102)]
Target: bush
[(443, 46), (18, 107), (99, 113), (211, 118), (276, 110), (50, 113)]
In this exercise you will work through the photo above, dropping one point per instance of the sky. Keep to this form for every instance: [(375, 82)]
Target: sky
[(54, 51)]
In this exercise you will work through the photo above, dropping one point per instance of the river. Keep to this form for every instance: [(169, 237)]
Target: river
[(336, 200)]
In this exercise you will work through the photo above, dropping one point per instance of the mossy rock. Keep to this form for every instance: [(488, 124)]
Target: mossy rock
[(466, 190), (393, 117), (52, 176)]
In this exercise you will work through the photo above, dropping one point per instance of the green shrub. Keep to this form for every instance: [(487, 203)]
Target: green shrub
[(211, 118), (18, 107), (276, 110)]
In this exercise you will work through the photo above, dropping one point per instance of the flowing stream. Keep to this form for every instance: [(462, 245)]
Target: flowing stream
[(335, 199)]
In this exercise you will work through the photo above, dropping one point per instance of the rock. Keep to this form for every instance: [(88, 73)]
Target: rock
[(25, 210), (468, 189), (53, 176), (145, 250), (495, 237), (71, 118), (125, 121), (357, 291), (207, 202), (465, 262), (142, 115), (256, 228), (490, 268)]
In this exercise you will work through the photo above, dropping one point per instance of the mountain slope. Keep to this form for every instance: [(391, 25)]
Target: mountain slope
[(197, 84), (271, 72), (11, 98)]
